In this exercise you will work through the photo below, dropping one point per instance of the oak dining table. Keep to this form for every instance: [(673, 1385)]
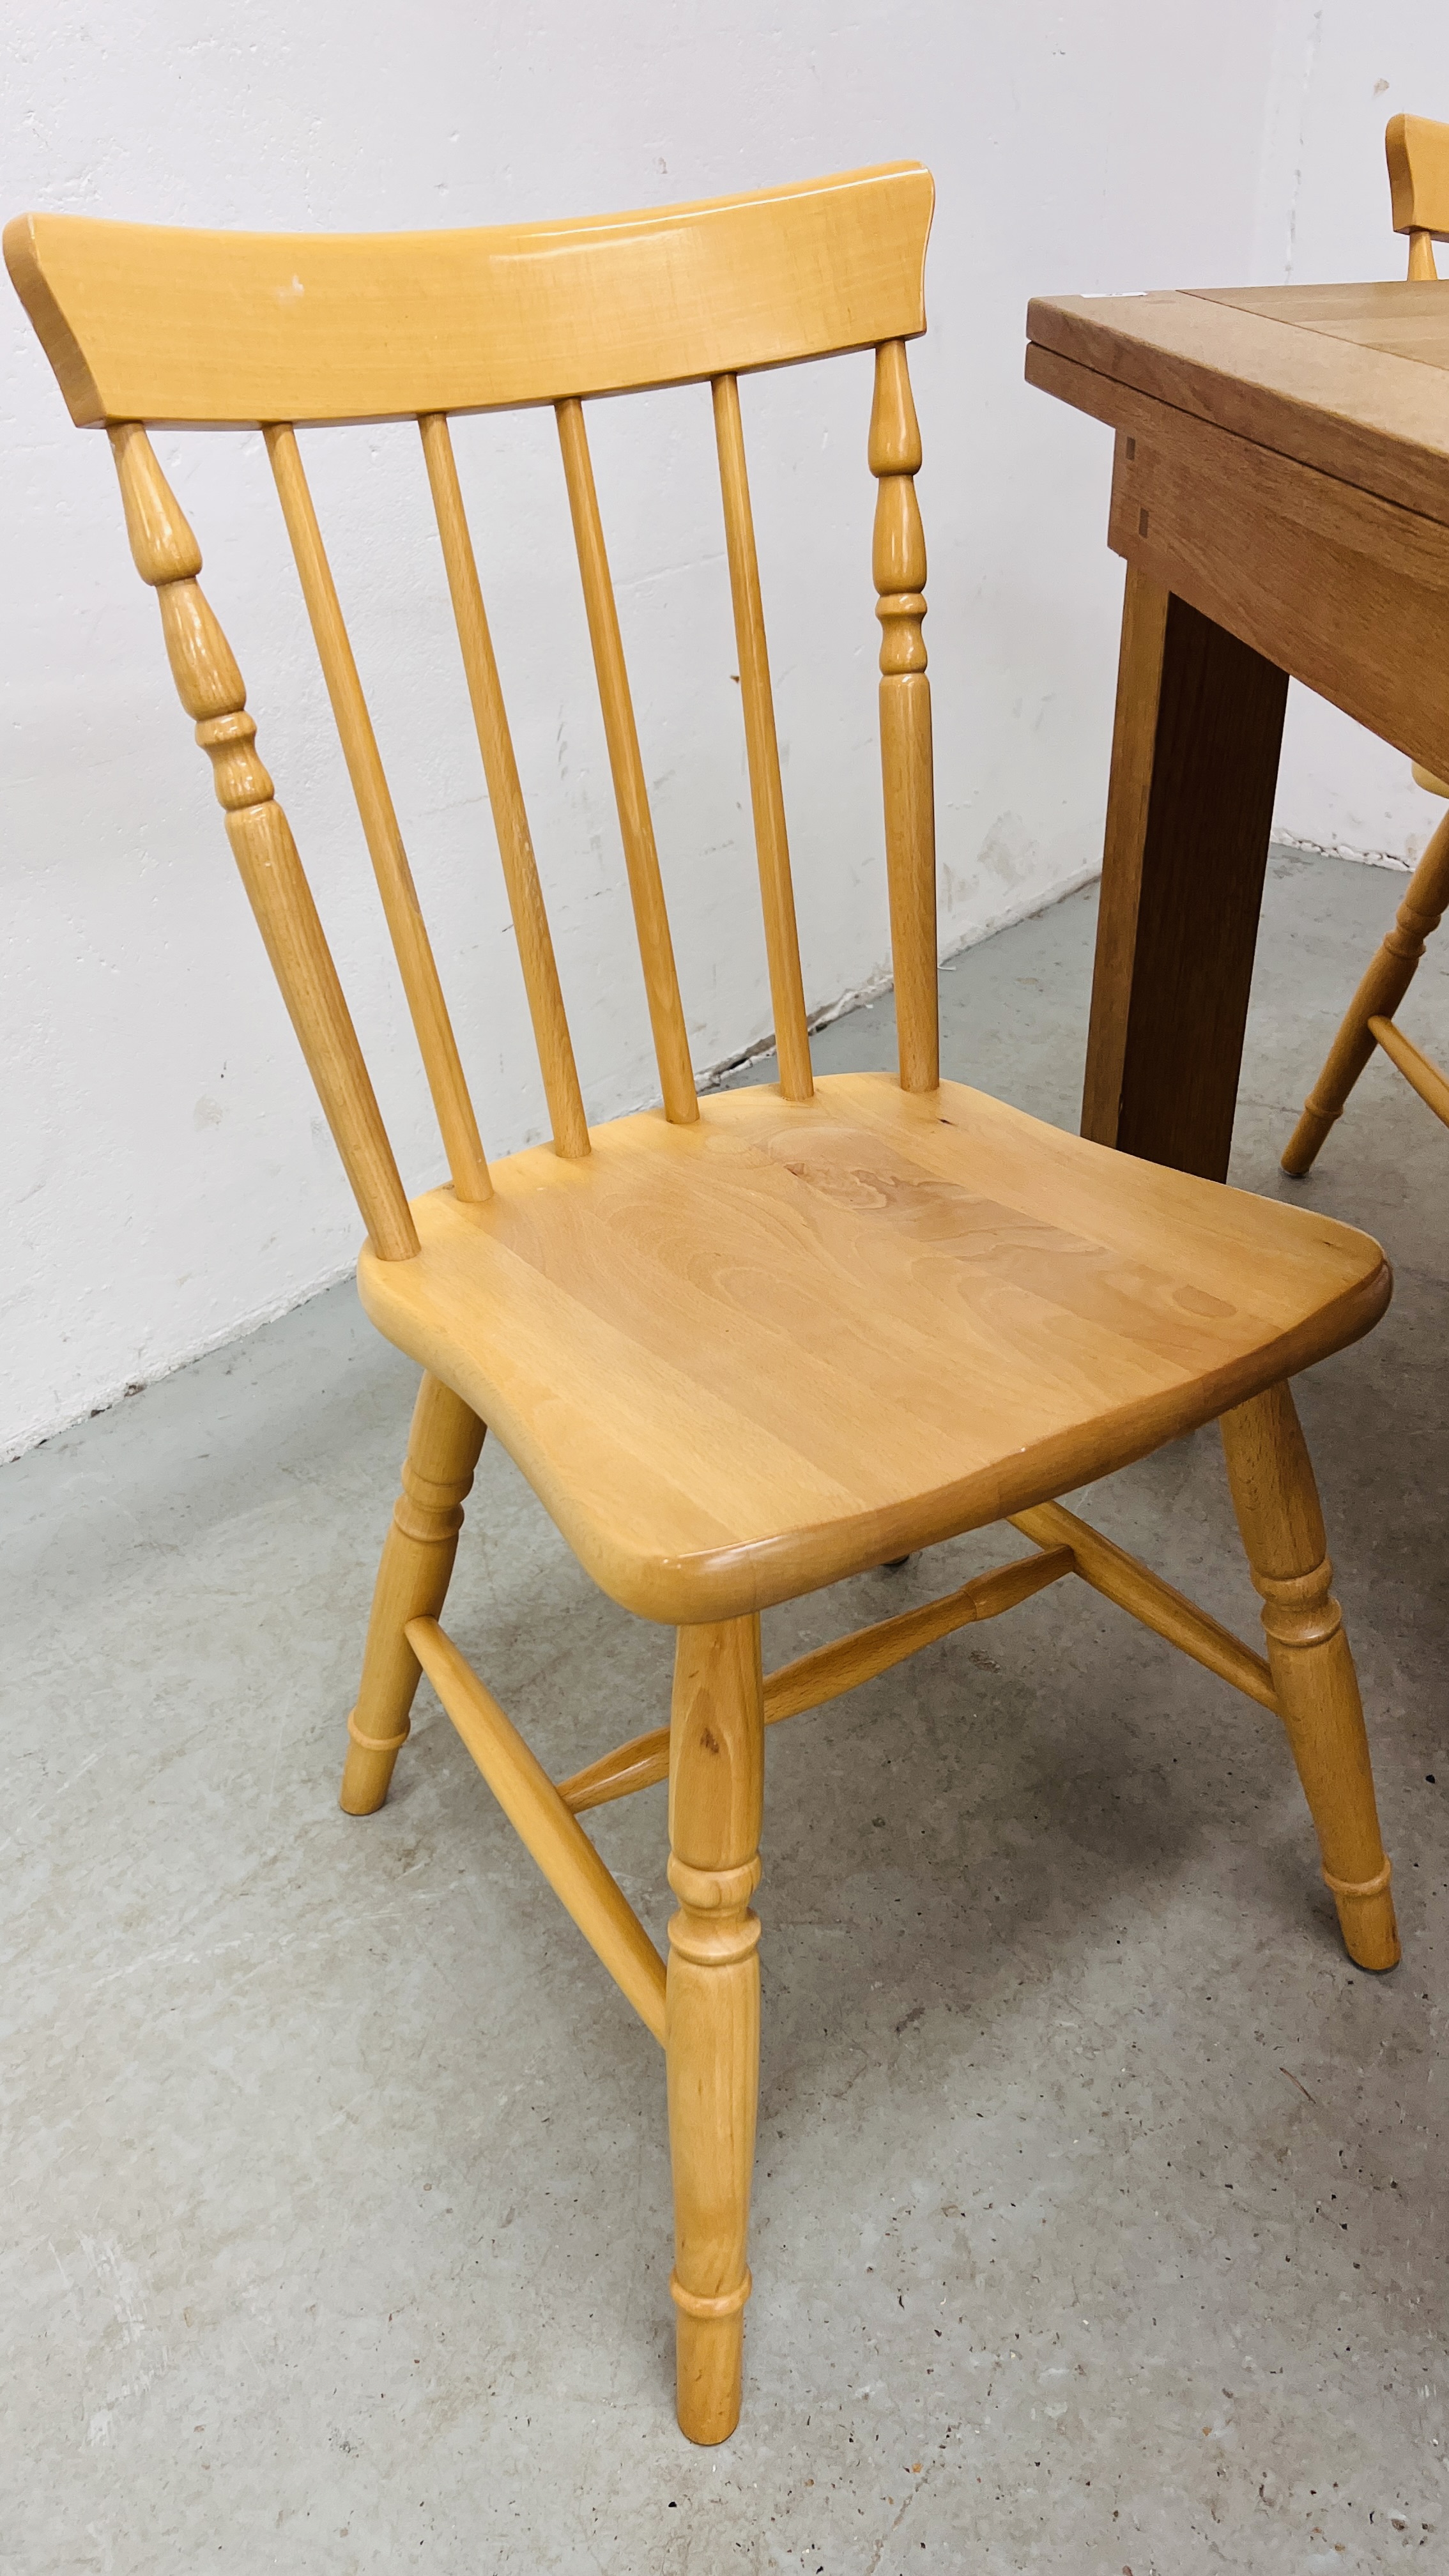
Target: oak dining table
[(1280, 495)]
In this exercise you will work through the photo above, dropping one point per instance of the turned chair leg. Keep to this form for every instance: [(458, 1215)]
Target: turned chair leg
[(412, 1583), (1391, 972), (712, 2007), (1278, 1513)]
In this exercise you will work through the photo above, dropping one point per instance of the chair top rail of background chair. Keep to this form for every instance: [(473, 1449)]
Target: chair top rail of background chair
[(214, 329), (1417, 150)]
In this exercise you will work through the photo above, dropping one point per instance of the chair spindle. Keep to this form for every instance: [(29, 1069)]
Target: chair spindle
[(899, 565), (505, 795), (406, 928), (209, 685), (772, 847), (641, 859)]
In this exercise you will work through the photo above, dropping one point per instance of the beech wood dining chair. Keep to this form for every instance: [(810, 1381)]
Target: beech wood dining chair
[(1418, 156), (745, 1345)]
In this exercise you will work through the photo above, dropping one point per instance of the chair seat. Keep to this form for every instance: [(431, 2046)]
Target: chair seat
[(744, 1358)]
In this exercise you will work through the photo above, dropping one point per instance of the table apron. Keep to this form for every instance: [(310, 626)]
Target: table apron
[(1348, 592)]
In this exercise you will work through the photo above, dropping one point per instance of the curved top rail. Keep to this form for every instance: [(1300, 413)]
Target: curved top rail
[(155, 323), (1417, 151)]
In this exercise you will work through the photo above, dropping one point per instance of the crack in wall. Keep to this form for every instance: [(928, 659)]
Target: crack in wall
[(1310, 65)]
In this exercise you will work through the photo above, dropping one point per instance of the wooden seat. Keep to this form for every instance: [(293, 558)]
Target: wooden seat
[(745, 1357), (1418, 158), (747, 1344)]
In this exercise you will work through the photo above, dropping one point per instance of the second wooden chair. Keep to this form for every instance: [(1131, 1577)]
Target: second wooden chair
[(1418, 158)]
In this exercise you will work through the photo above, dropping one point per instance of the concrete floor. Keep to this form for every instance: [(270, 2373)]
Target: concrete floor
[(1099, 2218)]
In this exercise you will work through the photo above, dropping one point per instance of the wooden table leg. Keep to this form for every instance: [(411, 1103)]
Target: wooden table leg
[(1194, 767)]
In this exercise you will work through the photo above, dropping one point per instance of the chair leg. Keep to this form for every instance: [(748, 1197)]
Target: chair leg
[(412, 1583), (712, 2007), (1278, 1513), (1390, 974)]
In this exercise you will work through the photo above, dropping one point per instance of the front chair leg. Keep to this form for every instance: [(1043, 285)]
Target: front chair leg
[(712, 2007), (412, 1583), (1278, 1513)]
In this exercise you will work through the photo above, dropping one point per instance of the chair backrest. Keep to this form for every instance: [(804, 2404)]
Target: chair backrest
[(144, 325), (1418, 157)]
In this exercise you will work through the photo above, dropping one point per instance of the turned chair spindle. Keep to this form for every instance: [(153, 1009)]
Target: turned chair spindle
[(899, 565), (209, 685), (779, 1336)]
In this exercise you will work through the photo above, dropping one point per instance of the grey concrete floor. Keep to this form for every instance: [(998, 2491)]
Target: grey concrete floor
[(1099, 2220)]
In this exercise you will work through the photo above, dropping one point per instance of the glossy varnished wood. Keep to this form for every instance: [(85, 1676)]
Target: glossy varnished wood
[(146, 322), (747, 1357), (745, 1345)]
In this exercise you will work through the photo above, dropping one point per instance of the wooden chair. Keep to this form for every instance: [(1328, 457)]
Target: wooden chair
[(742, 1346), (1418, 158)]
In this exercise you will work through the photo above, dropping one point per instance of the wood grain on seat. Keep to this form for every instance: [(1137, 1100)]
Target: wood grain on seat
[(743, 1358)]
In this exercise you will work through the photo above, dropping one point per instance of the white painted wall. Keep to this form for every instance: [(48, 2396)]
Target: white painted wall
[(1340, 70), (167, 1180)]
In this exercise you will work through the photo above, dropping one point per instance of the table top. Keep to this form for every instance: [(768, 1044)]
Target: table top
[(1353, 380)]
